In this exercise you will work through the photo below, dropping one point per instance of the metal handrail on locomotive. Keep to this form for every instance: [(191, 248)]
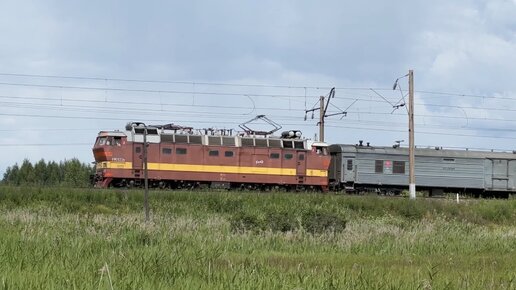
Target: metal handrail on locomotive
[(181, 157)]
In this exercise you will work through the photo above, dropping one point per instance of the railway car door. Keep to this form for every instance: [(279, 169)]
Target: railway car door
[(301, 166), (349, 168), (137, 156), (500, 174)]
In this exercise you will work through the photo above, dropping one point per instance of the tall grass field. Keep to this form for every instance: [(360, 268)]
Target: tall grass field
[(59, 238)]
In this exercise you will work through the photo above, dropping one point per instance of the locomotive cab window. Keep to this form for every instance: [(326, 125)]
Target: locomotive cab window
[(101, 141), (320, 150)]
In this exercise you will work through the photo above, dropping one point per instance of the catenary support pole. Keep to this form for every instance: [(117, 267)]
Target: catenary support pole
[(145, 175), (412, 159), (321, 120)]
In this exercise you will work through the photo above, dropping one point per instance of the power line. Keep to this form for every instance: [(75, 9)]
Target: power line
[(44, 144), (149, 90), (242, 85), (165, 81), (425, 132)]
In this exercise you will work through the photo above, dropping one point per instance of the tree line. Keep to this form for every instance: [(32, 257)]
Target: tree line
[(67, 173)]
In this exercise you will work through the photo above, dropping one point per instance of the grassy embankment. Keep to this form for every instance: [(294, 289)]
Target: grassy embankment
[(70, 238)]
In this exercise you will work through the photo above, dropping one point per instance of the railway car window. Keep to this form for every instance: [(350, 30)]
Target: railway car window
[(302, 157), (274, 156), (228, 153), (378, 166), (350, 164), (289, 156), (398, 167), (449, 160), (181, 151), (166, 151), (138, 149), (213, 153)]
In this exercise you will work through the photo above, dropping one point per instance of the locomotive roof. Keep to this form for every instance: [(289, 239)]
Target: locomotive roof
[(434, 152), (214, 138)]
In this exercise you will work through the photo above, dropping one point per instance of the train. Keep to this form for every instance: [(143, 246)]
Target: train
[(182, 157)]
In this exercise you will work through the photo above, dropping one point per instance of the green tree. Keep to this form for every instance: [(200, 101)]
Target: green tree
[(41, 173), (26, 173), (53, 173)]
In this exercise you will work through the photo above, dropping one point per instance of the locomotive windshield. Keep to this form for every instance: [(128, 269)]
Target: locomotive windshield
[(109, 141)]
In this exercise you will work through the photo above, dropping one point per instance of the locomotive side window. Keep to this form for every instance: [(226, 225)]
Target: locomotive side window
[(228, 153), (378, 166), (181, 151), (320, 150), (213, 153), (350, 164), (167, 151), (274, 156), (289, 156), (398, 167)]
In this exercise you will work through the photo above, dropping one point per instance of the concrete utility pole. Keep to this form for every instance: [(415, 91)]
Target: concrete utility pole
[(322, 112), (145, 175), (412, 159), (321, 120)]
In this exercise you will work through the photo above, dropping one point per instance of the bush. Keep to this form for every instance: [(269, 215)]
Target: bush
[(242, 222), (319, 221), (281, 221)]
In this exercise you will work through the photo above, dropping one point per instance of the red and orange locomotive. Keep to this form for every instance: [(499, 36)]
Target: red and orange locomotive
[(181, 157)]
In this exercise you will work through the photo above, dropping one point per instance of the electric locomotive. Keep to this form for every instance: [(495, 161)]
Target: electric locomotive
[(181, 157)]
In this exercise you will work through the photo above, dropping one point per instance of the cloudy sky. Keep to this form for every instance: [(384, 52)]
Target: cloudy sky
[(69, 69)]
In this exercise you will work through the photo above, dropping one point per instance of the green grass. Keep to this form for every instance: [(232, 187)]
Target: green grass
[(69, 238)]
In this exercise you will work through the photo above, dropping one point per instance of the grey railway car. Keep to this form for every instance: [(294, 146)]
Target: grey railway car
[(386, 170)]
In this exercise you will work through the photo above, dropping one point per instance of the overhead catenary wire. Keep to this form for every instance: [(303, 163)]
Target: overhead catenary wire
[(129, 80)]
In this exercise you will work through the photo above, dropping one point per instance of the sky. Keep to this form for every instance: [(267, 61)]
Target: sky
[(69, 69)]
